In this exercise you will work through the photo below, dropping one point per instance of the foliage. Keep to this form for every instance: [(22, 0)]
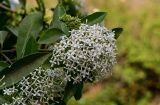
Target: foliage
[(25, 37)]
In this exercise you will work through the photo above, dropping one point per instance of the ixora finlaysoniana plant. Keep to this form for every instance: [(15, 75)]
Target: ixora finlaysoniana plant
[(81, 50)]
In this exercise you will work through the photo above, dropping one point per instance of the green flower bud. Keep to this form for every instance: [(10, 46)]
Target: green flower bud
[(71, 22)]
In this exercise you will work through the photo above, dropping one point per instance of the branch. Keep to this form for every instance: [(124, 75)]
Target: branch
[(13, 50), (5, 51), (7, 59), (6, 8), (45, 50)]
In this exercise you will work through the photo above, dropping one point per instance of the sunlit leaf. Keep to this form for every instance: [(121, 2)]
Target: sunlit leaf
[(94, 18)]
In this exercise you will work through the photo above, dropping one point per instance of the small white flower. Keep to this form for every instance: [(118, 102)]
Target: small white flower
[(9, 91)]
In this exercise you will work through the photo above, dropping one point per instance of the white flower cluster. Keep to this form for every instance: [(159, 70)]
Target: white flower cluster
[(88, 54), (39, 88)]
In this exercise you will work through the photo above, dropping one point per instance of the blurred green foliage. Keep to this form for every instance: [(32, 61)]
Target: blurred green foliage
[(135, 80)]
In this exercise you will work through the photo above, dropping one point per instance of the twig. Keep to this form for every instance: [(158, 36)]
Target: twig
[(6, 8), (44, 50), (13, 50), (6, 58), (5, 51)]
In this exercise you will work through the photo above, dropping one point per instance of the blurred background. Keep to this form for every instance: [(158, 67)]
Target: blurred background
[(136, 77)]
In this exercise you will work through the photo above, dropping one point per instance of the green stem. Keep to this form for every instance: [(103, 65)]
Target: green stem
[(41, 5)]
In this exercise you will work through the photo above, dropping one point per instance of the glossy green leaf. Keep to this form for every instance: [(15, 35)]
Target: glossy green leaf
[(50, 36), (117, 32), (3, 35), (22, 68), (56, 23), (94, 18), (78, 93), (29, 27), (72, 90), (3, 65)]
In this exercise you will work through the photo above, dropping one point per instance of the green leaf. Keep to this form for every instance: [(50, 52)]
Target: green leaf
[(58, 12), (117, 32), (78, 93), (22, 68), (62, 26), (73, 90), (47, 63), (2, 100), (50, 36), (69, 91), (31, 46), (3, 35), (94, 18), (29, 27), (56, 23), (3, 65), (13, 30)]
